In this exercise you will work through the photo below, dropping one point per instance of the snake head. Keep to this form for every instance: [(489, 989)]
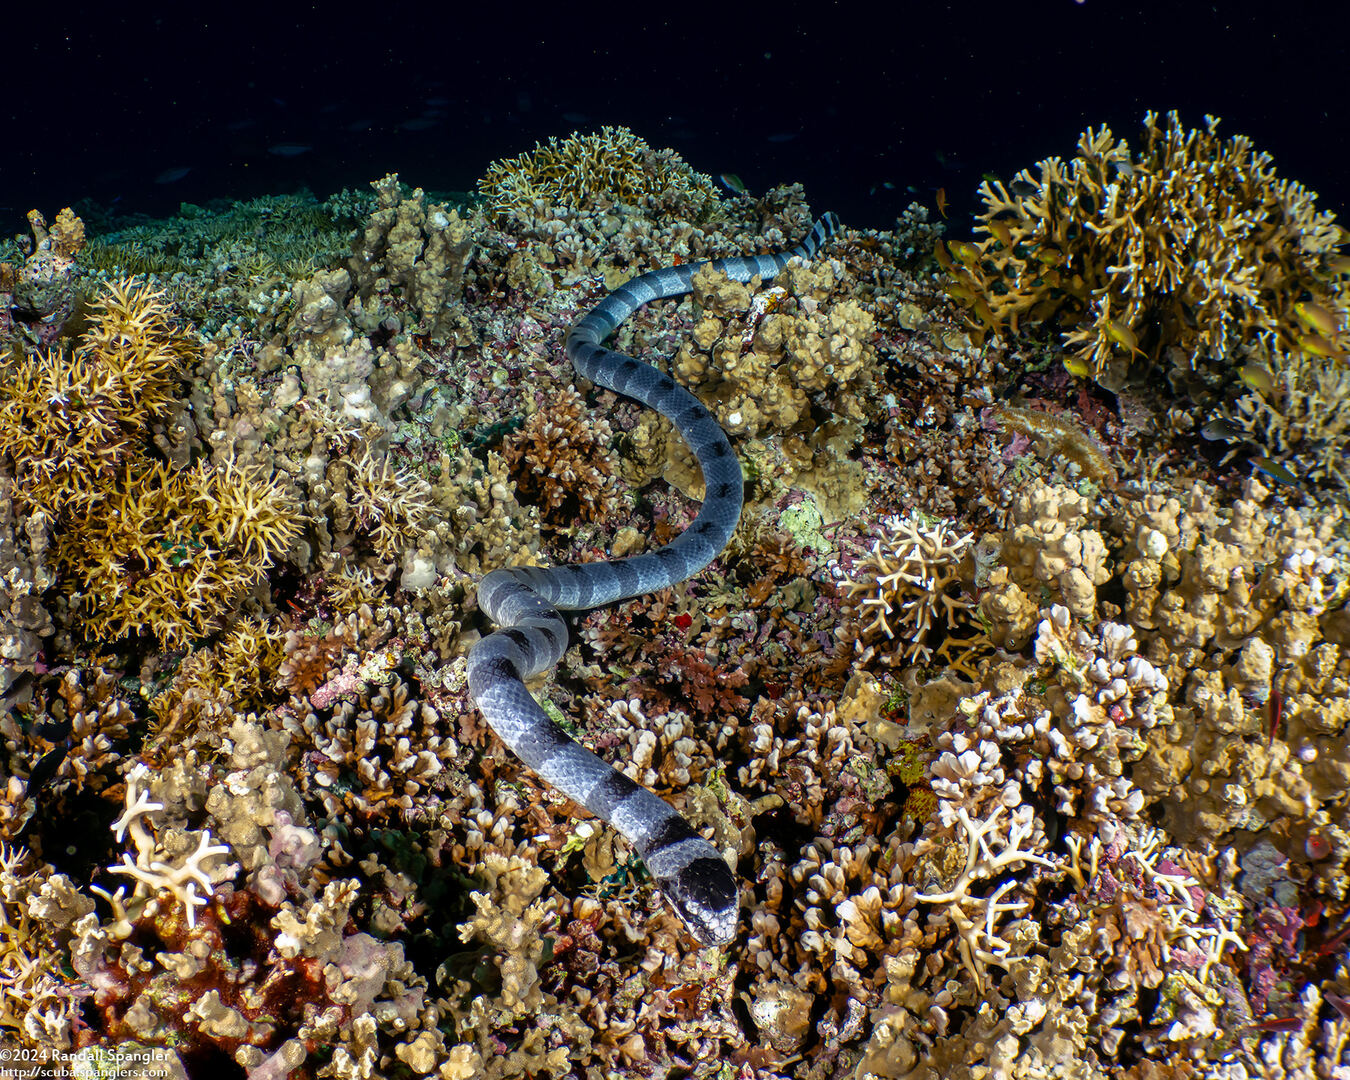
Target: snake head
[(704, 895)]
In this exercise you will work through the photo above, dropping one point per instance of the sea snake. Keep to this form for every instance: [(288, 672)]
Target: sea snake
[(525, 603)]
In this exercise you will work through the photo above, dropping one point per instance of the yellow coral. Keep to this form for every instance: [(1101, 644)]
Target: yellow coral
[(583, 171), (67, 419), (168, 552), (1195, 243)]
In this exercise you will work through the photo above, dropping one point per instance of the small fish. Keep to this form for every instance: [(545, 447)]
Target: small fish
[(1124, 170), (1339, 264), (1315, 317), (885, 185), (1259, 379), (942, 201), (1077, 367), (172, 176), (288, 149), (1024, 188), (46, 768), (964, 252), (944, 260), (989, 177), (1002, 233), (1123, 335), (1049, 256), (1279, 1023), (1275, 471), (1221, 430), (733, 182), (1316, 345)]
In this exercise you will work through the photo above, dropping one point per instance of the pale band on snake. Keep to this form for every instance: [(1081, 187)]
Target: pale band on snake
[(525, 602)]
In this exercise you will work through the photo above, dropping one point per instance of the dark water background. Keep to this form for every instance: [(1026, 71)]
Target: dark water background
[(141, 109)]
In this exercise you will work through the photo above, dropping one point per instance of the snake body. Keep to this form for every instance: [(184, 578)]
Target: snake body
[(525, 603)]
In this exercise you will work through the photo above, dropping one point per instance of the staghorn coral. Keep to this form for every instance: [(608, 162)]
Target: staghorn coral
[(1193, 244), (139, 546), (234, 675), (70, 419), (169, 553), (584, 171)]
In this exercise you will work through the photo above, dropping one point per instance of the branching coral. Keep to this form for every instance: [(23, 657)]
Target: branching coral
[(265, 970), (562, 462), (584, 171), (38, 1002), (69, 419), (167, 553), (909, 589), (141, 546), (1193, 243)]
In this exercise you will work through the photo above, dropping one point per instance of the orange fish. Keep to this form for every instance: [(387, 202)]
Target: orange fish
[(942, 201)]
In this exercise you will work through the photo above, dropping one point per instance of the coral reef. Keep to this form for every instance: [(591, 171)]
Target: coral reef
[(1021, 709)]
